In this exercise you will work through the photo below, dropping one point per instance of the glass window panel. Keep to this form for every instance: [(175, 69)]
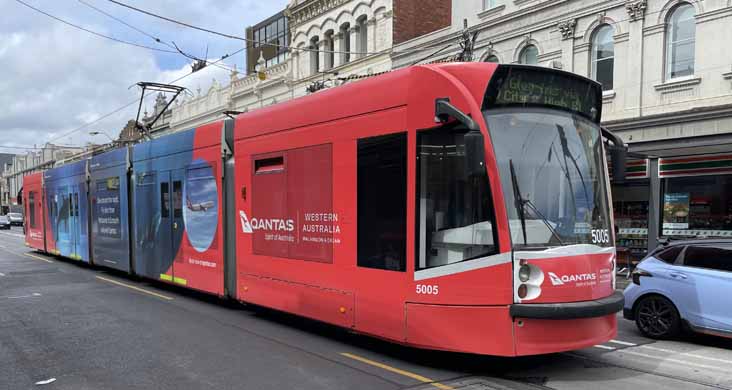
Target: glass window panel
[(669, 255), (698, 206), (177, 199), (164, 200), (491, 58), (454, 209), (680, 42), (603, 57), (382, 215), (714, 258), (529, 55)]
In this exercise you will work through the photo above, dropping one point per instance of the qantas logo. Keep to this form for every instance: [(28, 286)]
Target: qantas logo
[(561, 280), (270, 224), (246, 227)]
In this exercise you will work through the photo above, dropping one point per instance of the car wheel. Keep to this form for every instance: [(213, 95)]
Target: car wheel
[(657, 317)]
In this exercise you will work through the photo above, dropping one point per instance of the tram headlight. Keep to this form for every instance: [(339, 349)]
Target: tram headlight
[(524, 273)]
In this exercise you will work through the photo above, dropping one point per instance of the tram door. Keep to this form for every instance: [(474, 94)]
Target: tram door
[(171, 220)]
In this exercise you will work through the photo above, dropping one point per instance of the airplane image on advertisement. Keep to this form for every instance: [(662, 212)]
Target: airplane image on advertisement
[(202, 206)]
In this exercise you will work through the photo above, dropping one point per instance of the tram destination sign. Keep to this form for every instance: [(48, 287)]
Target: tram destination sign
[(538, 87)]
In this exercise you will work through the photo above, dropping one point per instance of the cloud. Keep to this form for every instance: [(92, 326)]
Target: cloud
[(57, 78)]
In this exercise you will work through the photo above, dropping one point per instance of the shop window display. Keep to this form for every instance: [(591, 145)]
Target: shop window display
[(698, 206), (630, 207)]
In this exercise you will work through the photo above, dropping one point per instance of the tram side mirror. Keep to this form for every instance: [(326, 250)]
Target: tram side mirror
[(474, 142), (618, 155), (474, 154)]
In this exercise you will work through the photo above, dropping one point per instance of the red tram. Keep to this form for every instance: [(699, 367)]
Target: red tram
[(460, 207)]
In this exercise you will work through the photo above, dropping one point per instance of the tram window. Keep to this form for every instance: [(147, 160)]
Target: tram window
[(164, 200), (382, 202), (455, 216), (177, 199), (32, 208), (76, 204)]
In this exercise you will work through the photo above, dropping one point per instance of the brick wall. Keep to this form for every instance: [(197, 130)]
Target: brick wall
[(413, 18)]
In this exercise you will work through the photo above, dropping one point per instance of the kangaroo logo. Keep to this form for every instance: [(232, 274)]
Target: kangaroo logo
[(556, 281), (246, 227)]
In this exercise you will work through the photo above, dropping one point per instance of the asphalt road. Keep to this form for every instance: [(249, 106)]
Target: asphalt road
[(87, 328)]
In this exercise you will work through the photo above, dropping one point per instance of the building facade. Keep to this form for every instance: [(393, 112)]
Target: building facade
[(667, 82), (331, 42), (24, 164)]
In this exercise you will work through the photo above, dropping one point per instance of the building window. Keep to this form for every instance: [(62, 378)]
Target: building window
[(345, 43), (488, 4), (603, 57), (529, 55), (363, 40), (314, 56), (680, 39), (329, 50), (492, 58)]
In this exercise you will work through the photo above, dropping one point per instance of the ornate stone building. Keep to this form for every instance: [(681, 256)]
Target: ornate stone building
[(667, 81), (332, 42)]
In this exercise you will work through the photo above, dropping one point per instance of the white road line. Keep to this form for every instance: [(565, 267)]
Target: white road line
[(623, 343), (604, 347), (669, 351), (12, 234), (670, 360), (25, 296)]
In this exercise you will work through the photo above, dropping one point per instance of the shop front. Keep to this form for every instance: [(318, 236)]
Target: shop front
[(674, 197)]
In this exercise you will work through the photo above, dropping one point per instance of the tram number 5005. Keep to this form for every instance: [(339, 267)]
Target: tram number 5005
[(600, 236), (427, 289)]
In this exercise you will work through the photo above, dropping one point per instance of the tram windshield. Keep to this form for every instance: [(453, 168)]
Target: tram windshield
[(544, 125), (551, 164)]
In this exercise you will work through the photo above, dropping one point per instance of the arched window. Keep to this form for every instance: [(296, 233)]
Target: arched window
[(363, 33), (529, 55), (345, 43), (603, 56), (680, 37), (314, 55), (328, 49), (491, 58)]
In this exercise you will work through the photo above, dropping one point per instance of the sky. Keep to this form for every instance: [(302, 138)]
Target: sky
[(56, 78)]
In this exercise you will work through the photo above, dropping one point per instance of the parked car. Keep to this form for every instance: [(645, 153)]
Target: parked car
[(682, 285), (4, 222), (16, 219)]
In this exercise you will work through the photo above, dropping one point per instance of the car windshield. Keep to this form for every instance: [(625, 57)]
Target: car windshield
[(14, 215), (3, 218), (552, 171)]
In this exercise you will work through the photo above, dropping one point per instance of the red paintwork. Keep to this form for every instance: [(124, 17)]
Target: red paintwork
[(204, 271), (316, 137), (470, 313), (599, 265), (34, 236)]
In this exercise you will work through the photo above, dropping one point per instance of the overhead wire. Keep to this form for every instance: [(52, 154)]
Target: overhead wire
[(244, 39), (172, 46), (93, 32), (131, 103)]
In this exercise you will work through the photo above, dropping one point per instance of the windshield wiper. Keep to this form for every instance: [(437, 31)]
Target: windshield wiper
[(541, 216), (520, 202)]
